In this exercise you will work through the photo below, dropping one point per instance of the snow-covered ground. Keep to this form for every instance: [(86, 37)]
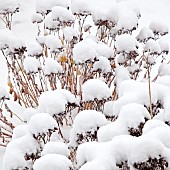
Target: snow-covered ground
[(23, 27)]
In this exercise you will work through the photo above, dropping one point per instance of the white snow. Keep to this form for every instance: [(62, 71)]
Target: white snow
[(3, 94), (8, 6), (55, 148), (95, 89), (102, 65), (20, 131), (50, 24), (52, 66), (17, 149), (70, 33), (41, 123), (37, 18), (52, 102), (34, 49), (52, 162), (164, 70), (152, 47), (31, 65), (28, 112), (144, 35), (126, 43), (83, 51), (62, 15), (53, 43), (159, 27)]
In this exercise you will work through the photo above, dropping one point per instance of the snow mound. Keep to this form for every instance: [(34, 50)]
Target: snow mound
[(41, 123), (51, 66), (52, 161), (52, 102), (31, 65), (95, 89), (55, 148), (126, 43)]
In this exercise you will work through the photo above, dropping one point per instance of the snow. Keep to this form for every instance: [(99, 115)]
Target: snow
[(45, 6), (3, 94), (80, 7), (108, 108), (83, 52), (71, 99), (145, 148), (127, 19), (55, 148), (152, 124), (152, 47), (82, 123), (34, 49), (31, 65), (133, 114), (113, 144), (86, 121), (8, 6), (28, 112), (95, 89), (52, 161), (50, 24), (164, 70), (160, 133), (20, 131), (126, 43), (158, 27), (62, 15), (144, 35), (104, 50), (53, 43), (70, 33), (52, 102), (164, 80), (102, 14), (102, 65), (37, 18), (41, 123), (17, 149), (52, 67)]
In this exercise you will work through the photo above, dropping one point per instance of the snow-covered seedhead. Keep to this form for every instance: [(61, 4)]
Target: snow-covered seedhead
[(64, 16), (134, 116), (28, 112), (52, 102), (84, 52), (53, 162), (36, 18), (53, 43), (144, 35), (21, 153), (127, 20), (152, 47), (3, 94), (95, 89), (127, 44), (158, 28), (42, 125), (31, 65), (55, 148), (85, 127), (9, 7), (51, 66), (34, 50), (105, 17), (145, 156), (102, 65)]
